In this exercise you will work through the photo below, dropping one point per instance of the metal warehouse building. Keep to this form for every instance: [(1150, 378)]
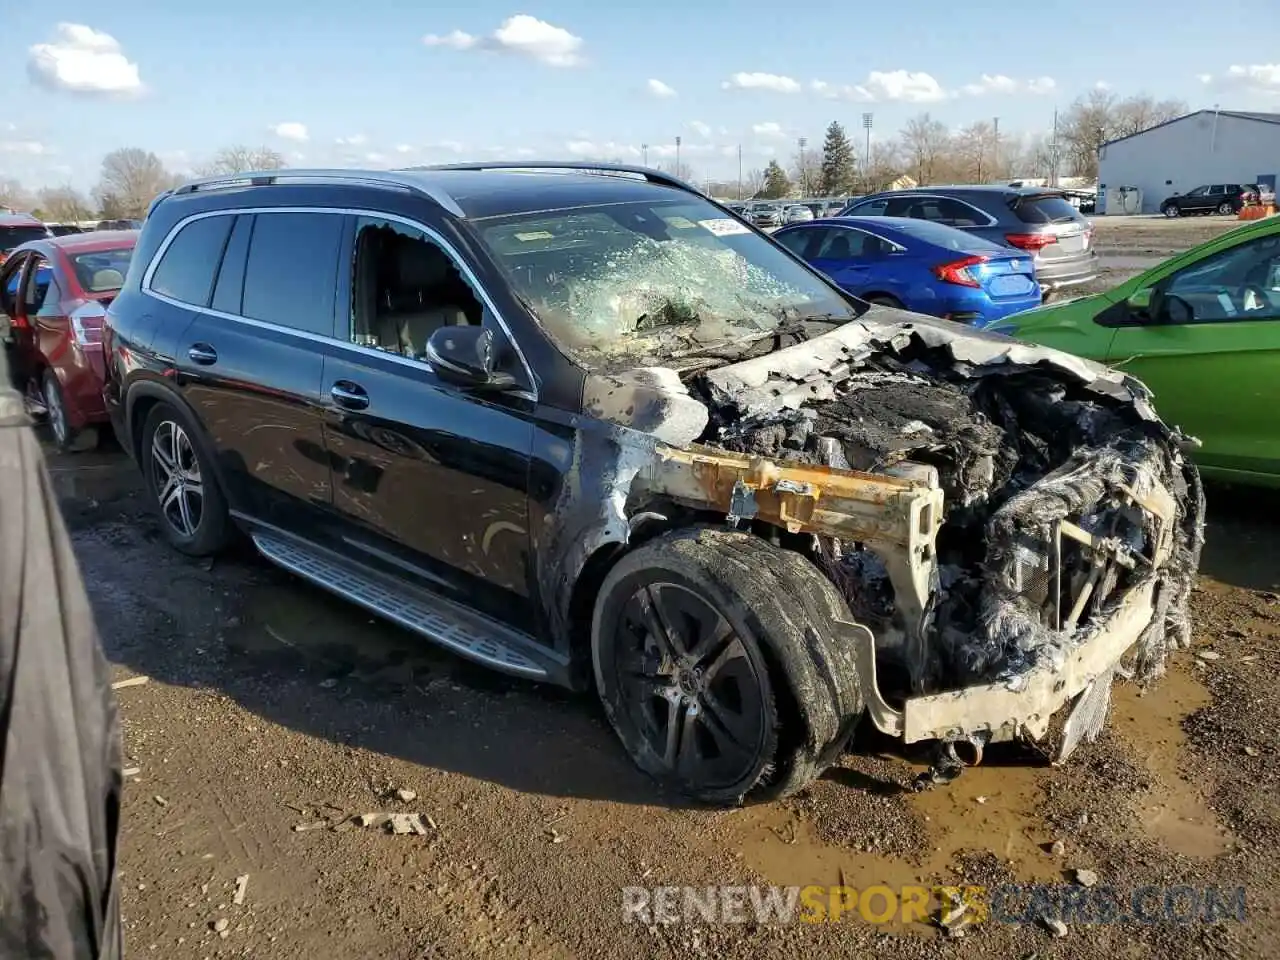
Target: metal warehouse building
[(1205, 147)]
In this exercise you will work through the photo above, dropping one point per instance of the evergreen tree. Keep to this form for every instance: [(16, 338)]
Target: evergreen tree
[(776, 183), (839, 171)]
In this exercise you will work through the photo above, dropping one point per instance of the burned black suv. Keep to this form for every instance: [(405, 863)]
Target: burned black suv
[(585, 426)]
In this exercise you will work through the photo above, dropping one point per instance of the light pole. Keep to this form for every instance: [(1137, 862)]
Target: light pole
[(867, 119), (644, 152), (995, 146), (677, 156), (804, 171), (739, 171)]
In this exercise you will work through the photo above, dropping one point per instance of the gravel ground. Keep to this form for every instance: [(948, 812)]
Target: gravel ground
[(274, 714)]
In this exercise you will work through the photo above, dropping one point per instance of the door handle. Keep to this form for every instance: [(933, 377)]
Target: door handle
[(350, 396), (202, 354)]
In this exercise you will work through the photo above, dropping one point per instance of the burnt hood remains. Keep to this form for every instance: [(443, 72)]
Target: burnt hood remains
[(1062, 489)]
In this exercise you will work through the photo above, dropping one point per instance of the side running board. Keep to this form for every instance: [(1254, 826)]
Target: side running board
[(453, 626)]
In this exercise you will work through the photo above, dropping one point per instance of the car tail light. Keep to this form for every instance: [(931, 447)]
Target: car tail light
[(1030, 241), (957, 271), (86, 323)]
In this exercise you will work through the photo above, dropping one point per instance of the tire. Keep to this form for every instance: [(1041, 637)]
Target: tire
[(884, 300), (68, 439), (194, 519), (1171, 210), (1225, 208), (765, 695)]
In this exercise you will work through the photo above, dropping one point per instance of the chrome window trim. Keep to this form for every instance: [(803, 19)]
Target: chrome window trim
[(897, 247), (432, 235)]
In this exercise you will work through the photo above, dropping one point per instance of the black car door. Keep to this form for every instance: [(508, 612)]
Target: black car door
[(261, 291), (433, 479)]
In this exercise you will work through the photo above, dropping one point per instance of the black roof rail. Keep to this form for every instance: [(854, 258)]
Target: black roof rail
[(262, 178), (566, 166)]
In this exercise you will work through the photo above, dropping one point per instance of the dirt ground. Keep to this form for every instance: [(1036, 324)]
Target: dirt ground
[(274, 714)]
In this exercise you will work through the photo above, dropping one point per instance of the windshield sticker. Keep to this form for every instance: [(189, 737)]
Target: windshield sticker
[(536, 235), (680, 223), (724, 227)]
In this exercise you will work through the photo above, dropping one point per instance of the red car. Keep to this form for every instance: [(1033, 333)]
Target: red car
[(54, 294)]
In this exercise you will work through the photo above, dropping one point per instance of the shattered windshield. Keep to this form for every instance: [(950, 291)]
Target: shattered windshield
[(655, 280)]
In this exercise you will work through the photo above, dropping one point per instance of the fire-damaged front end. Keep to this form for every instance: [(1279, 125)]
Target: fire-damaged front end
[(1010, 527)]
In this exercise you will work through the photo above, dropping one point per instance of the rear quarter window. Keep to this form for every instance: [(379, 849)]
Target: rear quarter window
[(1045, 210), (188, 266)]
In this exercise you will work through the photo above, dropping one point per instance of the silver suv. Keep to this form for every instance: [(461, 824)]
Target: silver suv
[(1041, 221)]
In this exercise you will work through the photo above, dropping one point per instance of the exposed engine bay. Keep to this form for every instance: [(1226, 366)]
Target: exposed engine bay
[(986, 508)]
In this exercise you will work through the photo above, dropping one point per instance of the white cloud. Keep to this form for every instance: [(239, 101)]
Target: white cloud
[(761, 81), (291, 130), (522, 34), (768, 130), (83, 60), (449, 146), (355, 140), (999, 83), (1103, 85), (659, 89), (373, 157), (592, 150), (700, 128), (404, 148), (894, 86), (1255, 78), (29, 148)]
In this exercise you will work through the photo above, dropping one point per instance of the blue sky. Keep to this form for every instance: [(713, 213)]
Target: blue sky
[(391, 82)]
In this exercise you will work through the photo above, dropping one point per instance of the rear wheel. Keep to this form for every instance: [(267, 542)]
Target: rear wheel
[(193, 512), (1225, 208), (65, 436), (1170, 210), (718, 667)]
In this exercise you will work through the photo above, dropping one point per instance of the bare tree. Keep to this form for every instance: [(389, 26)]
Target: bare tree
[(241, 159), (13, 196), (973, 150), (131, 179), (65, 204), (806, 172), (1085, 127), (925, 141), (681, 170), (885, 167), (1135, 114), (752, 182), (1031, 157)]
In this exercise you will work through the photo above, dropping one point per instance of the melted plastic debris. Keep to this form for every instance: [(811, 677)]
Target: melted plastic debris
[(1017, 447)]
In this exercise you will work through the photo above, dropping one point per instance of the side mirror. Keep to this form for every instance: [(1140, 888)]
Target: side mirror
[(467, 356), (1139, 303)]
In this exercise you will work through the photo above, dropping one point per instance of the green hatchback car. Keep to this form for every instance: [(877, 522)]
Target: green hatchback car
[(1202, 331)]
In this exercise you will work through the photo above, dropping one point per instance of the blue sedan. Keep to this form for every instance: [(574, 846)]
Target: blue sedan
[(918, 265)]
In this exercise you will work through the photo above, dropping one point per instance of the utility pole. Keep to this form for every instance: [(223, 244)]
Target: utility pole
[(644, 152), (995, 146), (867, 119), (1053, 152), (677, 156), (804, 171), (739, 171)]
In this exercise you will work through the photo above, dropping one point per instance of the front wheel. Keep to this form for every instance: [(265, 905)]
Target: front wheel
[(192, 510), (1170, 210), (718, 667)]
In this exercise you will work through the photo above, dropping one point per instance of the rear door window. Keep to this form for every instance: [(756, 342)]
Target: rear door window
[(187, 268), (14, 236), (1048, 209), (291, 276), (799, 242), (876, 207)]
